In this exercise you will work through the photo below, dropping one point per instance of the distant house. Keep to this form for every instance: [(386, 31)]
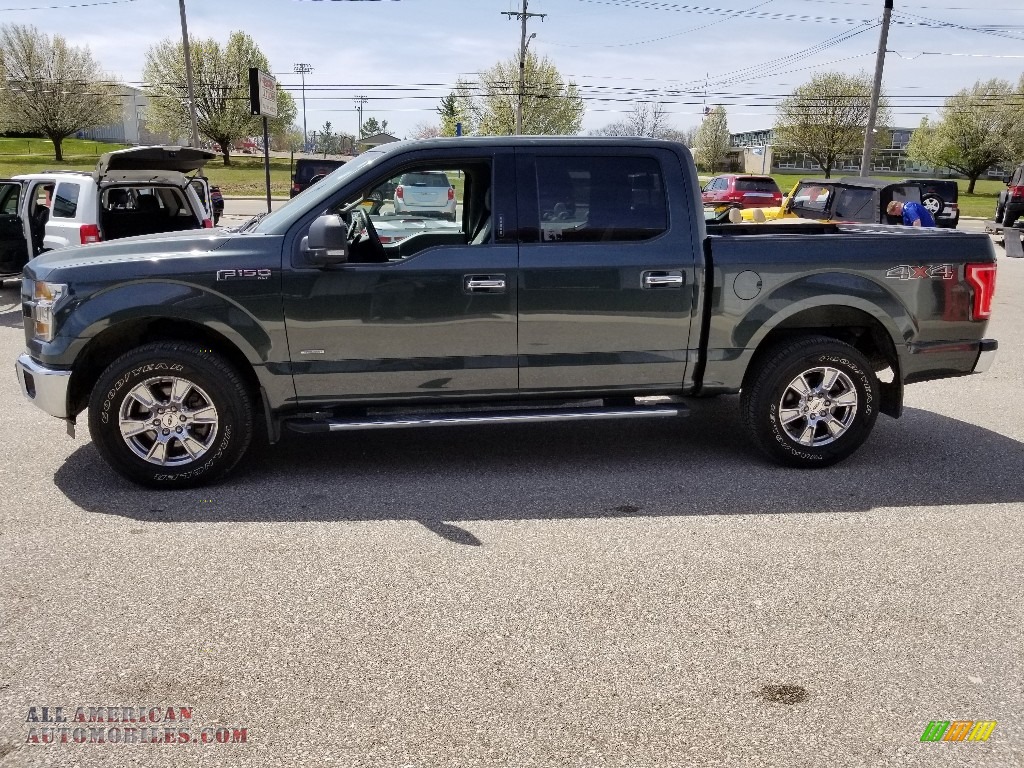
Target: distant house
[(369, 142)]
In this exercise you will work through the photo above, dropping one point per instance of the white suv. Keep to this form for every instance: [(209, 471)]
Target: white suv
[(138, 191)]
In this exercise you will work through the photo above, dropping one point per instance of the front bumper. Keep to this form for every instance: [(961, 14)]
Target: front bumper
[(46, 387)]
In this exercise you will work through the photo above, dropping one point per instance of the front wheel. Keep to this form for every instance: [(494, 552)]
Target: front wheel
[(171, 415), (810, 402)]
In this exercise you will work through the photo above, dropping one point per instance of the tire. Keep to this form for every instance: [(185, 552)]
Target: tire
[(933, 204), (188, 381), (998, 218), (1009, 217), (772, 388)]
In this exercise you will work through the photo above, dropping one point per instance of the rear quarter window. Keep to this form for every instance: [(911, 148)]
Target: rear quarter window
[(65, 200)]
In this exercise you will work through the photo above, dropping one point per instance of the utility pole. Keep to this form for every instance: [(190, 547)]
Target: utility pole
[(360, 101), (303, 70), (188, 74), (876, 91), (524, 41)]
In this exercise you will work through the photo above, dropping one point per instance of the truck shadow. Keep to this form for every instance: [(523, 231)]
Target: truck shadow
[(702, 465)]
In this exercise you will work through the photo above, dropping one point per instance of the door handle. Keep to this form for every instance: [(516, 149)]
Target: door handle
[(671, 279), (485, 283)]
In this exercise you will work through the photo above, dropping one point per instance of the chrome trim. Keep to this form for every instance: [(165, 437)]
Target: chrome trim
[(51, 386), (656, 281), (568, 414), (485, 284)]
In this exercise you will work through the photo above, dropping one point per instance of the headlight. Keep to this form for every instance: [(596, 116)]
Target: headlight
[(45, 297)]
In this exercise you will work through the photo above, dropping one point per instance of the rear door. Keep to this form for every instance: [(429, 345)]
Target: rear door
[(605, 272), (13, 246)]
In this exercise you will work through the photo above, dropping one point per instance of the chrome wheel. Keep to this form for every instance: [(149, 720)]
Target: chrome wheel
[(168, 421), (818, 406)]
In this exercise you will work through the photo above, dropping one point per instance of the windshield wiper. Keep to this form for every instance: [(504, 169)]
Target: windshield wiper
[(250, 223)]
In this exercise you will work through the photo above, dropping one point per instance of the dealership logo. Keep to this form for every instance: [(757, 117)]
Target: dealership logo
[(958, 730)]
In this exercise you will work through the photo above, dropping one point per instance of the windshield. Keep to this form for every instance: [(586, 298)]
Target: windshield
[(290, 212)]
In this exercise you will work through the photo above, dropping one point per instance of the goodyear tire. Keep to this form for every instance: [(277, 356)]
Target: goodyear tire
[(171, 415), (810, 402)]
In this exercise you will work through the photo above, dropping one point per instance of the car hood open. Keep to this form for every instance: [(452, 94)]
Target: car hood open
[(157, 158)]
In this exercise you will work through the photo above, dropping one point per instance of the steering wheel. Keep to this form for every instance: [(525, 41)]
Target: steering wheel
[(359, 223)]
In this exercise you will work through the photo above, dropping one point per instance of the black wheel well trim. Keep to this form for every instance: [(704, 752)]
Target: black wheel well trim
[(115, 341), (850, 325)]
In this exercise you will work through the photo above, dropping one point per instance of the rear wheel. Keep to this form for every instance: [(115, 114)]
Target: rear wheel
[(810, 402), (1010, 217), (171, 415)]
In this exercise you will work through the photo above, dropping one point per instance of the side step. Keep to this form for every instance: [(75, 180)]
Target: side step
[(508, 416)]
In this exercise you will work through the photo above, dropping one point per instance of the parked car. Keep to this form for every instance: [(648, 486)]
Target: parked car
[(855, 199), (180, 349), (306, 170), (425, 193), (137, 191), (1010, 205), (748, 191), (941, 198)]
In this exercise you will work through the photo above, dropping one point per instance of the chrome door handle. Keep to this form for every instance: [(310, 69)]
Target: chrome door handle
[(485, 283), (663, 280)]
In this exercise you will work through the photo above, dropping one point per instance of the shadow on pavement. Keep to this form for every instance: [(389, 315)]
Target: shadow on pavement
[(702, 465)]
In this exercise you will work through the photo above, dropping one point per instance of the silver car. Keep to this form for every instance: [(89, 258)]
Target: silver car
[(425, 193)]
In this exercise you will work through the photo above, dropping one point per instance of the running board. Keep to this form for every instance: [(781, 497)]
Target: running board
[(442, 419)]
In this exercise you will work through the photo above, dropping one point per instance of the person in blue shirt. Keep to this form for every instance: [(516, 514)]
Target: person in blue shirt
[(914, 214)]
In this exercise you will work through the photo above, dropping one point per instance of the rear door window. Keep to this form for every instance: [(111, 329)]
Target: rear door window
[(65, 200), (602, 199), (10, 196)]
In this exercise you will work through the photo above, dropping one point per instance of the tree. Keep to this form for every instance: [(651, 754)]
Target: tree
[(826, 118), (221, 75), (974, 131), (550, 105), (328, 142), (645, 119), (371, 127), (453, 110), (51, 88), (426, 131), (711, 142)]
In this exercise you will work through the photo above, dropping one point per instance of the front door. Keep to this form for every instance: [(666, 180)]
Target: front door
[(430, 311), (13, 246), (606, 274)]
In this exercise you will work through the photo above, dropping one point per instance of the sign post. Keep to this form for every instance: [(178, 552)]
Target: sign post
[(263, 102)]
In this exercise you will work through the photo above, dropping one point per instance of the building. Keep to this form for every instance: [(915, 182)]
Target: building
[(132, 128)]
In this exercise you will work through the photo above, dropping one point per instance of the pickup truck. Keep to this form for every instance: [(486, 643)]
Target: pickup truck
[(582, 283)]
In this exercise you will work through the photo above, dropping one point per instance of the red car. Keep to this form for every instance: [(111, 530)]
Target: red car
[(748, 191)]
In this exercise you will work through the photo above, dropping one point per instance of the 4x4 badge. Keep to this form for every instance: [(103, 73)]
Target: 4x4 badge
[(925, 272)]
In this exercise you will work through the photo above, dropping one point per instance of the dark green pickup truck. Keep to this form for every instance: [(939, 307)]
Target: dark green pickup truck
[(580, 281)]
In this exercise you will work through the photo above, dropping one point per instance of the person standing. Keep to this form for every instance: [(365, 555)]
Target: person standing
[(914, 214)]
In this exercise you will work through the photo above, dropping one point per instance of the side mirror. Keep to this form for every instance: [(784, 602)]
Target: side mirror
[(327, 242)]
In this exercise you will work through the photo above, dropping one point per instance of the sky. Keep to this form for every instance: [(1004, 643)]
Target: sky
[(404, 55)]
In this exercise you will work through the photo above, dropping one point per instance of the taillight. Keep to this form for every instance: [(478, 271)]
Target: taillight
[(451, 193), (296, 187), (399, 192), (89, 233), (982, 278), (207, 224), (1017, 191)]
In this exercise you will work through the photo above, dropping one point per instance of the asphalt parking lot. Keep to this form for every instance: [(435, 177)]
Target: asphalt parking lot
[(641, 594)]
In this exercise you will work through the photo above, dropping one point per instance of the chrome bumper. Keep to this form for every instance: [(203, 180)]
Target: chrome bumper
[(986, 355), (45, 387)]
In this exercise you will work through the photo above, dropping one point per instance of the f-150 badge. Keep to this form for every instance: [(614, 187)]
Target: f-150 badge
[(243, 274), (925, 272)]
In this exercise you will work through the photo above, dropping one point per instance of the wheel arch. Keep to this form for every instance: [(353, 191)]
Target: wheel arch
[(113, 342), (862, 329)]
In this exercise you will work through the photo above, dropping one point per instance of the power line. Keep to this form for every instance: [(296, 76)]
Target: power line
[(76, 5)]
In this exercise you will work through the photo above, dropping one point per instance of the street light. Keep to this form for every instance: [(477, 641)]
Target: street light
[(303, 70)]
